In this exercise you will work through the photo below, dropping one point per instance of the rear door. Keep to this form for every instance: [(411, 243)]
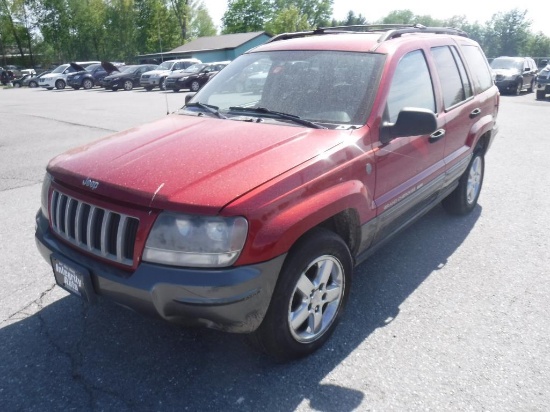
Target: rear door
[(409, 170)]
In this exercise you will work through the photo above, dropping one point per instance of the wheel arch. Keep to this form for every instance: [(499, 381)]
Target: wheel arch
[(340, 209)]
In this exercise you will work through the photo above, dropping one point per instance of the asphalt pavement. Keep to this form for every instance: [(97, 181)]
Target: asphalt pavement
[(450, 315)]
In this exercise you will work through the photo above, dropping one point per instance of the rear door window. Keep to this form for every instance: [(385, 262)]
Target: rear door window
[(452, 76)]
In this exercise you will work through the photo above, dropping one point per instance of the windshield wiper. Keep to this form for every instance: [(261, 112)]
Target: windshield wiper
[(208, 107), (280, 115)]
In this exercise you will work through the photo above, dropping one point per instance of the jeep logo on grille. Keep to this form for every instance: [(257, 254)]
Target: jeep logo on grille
[(92, 184)]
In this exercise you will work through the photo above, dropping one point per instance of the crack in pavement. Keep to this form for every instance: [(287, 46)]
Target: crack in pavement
[(67, 122)]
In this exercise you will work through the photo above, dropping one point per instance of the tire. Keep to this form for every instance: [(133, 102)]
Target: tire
[(464, 198), (162, 86), (128, 85), (148, 88), (311, 292), (195, 86), (60, 84), (76, 87), (114, 89), (541, 95), (49, 88), (87, 84), (17, 85), (33, 84), (176, 90), (531, 86), (519, 86)]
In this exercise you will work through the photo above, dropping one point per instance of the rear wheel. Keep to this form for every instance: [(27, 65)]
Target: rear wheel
[(148, 88), (464, 198), (541, 95), (60, 84), (16, 85), (128, 85), (531, 86), (309, 297), (87, 84), (32, 83)]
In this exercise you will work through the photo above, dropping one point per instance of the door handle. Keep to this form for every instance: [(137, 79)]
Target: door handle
[(435, 136), (475, 113)]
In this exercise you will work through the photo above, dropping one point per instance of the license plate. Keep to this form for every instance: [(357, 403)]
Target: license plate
[(73, 278)]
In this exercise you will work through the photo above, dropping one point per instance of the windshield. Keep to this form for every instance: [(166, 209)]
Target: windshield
[(507, 64), (128, 69), (92, 67), (165, 65), (195, 68), (330, 88), (60, 69)]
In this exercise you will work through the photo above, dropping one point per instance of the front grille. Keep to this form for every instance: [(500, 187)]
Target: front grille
[(94, 229)]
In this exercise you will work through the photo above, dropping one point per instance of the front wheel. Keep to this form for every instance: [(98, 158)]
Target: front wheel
[(87, 84), (60, 84), (162, 86), (148, 88), (309, 297), (195, 86), (464, 198), (33, 84), (541, 94), (16, 85), (518, 88), (531, 86)]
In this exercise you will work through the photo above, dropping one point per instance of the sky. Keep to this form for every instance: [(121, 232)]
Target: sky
[(474, 10)]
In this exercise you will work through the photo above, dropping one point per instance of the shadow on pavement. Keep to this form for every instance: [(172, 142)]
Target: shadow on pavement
[(72, 356)]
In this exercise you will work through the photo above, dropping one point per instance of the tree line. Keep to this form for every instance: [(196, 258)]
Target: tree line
[(44, 32)]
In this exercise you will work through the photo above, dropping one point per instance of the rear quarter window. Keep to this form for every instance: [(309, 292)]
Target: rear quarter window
[(477, 62)]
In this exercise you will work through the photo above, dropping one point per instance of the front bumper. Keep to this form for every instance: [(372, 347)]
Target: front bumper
[(230, 299), (149, 82), (506, 84)]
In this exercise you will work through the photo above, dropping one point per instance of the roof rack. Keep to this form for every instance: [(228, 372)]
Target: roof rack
[(390, 31)]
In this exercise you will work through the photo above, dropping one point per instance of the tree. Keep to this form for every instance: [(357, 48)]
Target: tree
[(288, 20), (200, 22), (351, 20), (507, 33), (316, 12), (243, 16)]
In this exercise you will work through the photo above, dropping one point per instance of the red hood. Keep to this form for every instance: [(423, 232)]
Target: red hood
[(195, 164)]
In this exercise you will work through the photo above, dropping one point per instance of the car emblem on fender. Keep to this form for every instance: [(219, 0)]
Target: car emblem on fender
[(92, 184)]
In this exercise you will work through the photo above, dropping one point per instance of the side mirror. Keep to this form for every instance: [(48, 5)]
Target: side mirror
[(188, 97), (410, 122)]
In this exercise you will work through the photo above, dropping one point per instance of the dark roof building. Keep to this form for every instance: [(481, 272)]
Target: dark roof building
[(212, 48)]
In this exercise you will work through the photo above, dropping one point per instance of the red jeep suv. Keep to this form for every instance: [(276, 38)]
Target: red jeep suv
[(246, 211)]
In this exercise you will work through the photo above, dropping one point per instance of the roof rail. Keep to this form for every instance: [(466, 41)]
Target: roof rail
[(390, 31)]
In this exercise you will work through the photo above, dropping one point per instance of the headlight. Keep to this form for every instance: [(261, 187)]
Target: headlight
[(46, 184), (77, 77), (195, 241), (181, 79)]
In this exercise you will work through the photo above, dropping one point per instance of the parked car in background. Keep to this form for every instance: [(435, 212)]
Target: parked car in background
[(6, 76), (514, 74), (33, 82), (92, 75), (58, 77), (542, 83), (155, 78), (23, 80), (194, 77), (126, 77)]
